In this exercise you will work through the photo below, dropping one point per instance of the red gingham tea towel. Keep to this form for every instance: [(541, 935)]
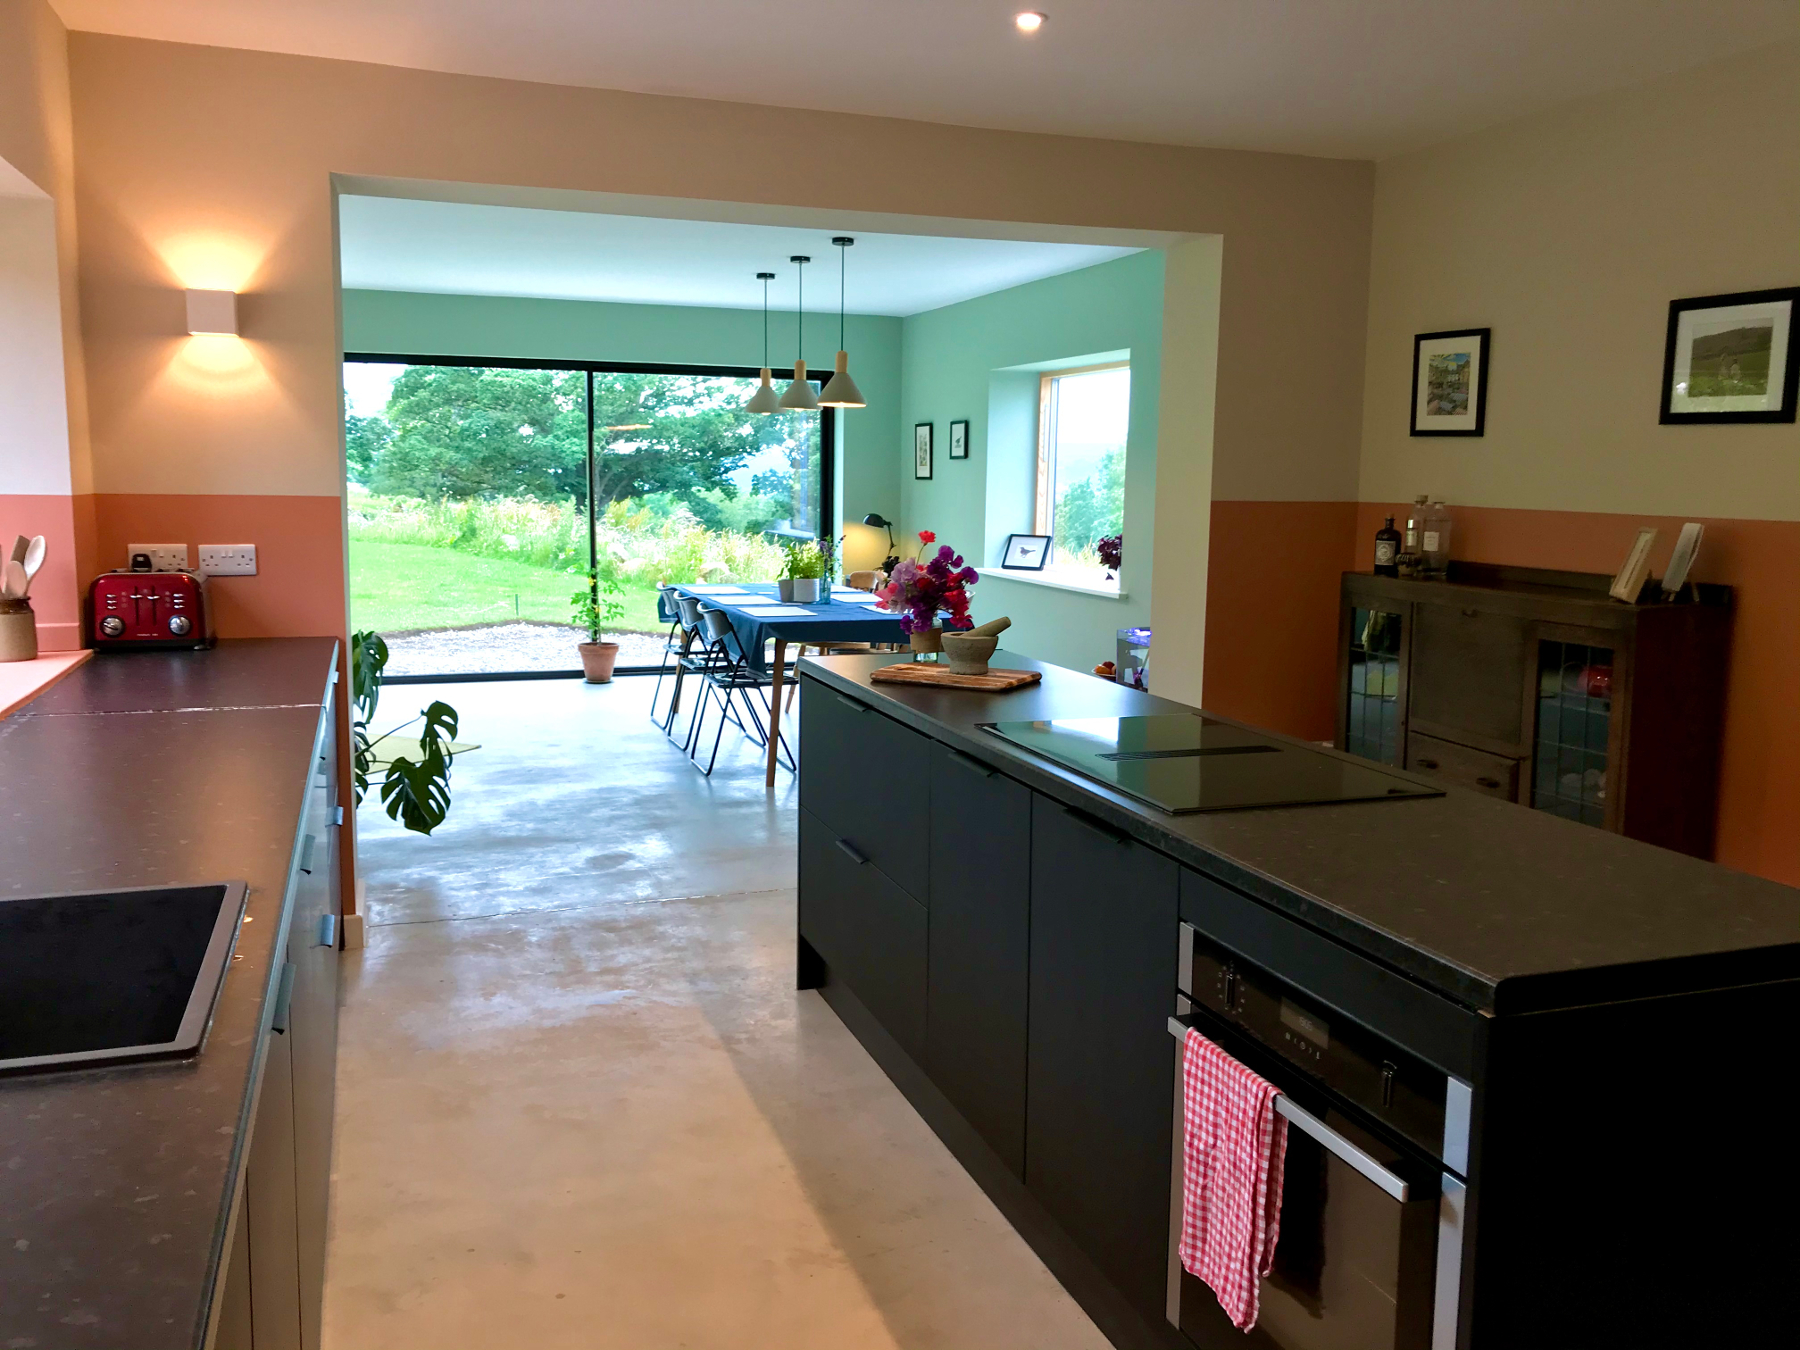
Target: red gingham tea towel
[(1233, 1146)]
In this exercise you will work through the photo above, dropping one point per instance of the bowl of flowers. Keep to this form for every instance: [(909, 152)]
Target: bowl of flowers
[(920, 588)]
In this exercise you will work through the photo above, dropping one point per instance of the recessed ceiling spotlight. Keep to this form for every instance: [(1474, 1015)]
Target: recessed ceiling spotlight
[(1028, 21)]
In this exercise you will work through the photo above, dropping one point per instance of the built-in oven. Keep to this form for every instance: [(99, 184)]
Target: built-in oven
[(1371, 1241)]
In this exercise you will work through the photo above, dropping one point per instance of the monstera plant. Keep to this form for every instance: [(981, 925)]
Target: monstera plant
[(415, 792)]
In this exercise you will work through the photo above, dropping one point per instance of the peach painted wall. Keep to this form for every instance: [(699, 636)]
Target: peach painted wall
[(208, 166)]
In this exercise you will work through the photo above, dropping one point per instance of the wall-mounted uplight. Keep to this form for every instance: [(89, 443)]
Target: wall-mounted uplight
[(1028, 21), (212, 312)]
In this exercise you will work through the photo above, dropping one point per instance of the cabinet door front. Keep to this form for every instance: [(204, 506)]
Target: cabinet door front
[(866, 776), (980, 936), (870, 933), (1372, 713), (1100, 1077), (1468, 667)]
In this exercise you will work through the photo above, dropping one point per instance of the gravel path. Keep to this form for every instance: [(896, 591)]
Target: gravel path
[(506, 647)]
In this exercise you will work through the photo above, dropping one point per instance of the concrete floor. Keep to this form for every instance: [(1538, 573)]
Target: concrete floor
[(580, 1102)]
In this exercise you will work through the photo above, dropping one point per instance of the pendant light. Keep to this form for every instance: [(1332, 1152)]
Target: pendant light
[(841, 391), (764, 400), (800, 393)]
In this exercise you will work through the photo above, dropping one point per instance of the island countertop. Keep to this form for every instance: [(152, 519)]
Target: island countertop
[(139, 769), (1498, 906)]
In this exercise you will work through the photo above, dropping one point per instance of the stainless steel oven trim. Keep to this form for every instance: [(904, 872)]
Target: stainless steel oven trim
[(1328, 1138), (1446, 1303)]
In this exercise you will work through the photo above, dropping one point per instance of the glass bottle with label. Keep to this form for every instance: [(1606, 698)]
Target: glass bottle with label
[(1412, 548), (1387, 550), (1434, 539)]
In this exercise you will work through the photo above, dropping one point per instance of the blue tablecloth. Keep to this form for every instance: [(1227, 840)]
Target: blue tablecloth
[(827, 621)]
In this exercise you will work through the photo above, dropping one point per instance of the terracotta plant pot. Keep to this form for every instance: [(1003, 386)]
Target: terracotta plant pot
[(597, 660), (931, 640)]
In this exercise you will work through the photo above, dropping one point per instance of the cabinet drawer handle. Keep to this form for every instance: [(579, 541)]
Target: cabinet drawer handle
[(1470, 613), (972, 764), (306, 850), (284, 1000), (1488, 782), (1428, 763), (851, 703), (328, 930), (1106, 832), (853, 853)]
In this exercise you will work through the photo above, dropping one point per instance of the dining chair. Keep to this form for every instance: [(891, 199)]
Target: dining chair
[(691, 660), (675, 645), (727, 672)]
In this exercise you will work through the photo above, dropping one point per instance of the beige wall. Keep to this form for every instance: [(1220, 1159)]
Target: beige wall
[(1568, 234), (209, 166)]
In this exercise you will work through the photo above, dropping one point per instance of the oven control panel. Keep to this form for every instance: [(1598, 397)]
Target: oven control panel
[(1392, 1085)]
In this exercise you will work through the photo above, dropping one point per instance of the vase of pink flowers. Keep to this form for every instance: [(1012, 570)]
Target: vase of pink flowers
[(919, 589)]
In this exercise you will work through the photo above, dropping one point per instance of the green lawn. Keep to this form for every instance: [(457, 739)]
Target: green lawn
[(398, 587)]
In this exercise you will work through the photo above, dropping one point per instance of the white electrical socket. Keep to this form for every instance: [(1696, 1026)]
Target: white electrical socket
[(228, 560), (163, 557)]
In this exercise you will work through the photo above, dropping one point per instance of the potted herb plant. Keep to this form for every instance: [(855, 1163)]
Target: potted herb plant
[(596, 605), (804, 570), (920, 590)]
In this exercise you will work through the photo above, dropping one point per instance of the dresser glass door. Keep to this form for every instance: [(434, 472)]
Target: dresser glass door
[(1574, 718), (1372, 717)]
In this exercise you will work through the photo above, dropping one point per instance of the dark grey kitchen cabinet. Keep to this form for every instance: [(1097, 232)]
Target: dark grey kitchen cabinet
[(979, 947), (870, 933), (275, 1281), (867, 777), (1100, 1074)]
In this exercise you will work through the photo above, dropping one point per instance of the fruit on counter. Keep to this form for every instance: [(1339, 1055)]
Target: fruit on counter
[(1107, 670)]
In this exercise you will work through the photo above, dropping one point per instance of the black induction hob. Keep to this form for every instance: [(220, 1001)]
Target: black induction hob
[(1186, 762)]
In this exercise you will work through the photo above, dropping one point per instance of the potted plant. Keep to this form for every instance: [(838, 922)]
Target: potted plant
[(804, 571), (597, 604), (919, 590), (415, 792)]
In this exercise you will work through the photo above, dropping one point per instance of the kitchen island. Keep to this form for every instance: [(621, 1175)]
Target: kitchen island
[(122, 1189), (1502, 1025)]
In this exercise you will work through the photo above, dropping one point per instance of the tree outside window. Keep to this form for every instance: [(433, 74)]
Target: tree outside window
[(1083, 418)]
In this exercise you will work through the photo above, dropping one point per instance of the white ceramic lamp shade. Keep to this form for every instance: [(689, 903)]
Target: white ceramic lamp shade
[(765, 399), (800, 394), (840, 390)]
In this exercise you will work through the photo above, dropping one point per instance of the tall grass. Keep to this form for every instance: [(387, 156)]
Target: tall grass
[(638, 546)]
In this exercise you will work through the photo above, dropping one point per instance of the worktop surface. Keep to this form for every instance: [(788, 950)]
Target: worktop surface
[(1498, 906), (147, 769)]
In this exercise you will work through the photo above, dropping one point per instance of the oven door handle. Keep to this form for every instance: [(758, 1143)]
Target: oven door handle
[(1328, 1139)]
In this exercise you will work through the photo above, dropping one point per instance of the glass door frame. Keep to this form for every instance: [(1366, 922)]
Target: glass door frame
[(827, 461)]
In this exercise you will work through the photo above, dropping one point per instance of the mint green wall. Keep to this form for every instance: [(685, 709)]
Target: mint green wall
[(412, 324), (982, 360)]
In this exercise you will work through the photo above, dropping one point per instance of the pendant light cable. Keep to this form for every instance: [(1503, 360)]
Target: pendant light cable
[(764, 400), (840, 390)]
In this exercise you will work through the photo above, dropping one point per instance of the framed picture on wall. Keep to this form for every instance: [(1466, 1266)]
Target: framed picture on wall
[(1730, 358), (959, 439), (922, 450), (1026, 552), (1449, 388)]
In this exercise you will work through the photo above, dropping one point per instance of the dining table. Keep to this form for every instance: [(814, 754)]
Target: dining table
[(759, 615)]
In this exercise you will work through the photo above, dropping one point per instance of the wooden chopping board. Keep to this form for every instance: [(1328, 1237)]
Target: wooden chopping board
[(922, 672)]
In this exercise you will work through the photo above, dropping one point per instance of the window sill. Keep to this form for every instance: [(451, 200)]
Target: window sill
[(1060, 581)]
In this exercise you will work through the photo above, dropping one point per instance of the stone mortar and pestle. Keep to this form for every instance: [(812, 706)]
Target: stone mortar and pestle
[(969, 650)]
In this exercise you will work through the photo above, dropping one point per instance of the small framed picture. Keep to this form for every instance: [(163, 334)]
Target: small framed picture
[(1026, 552), (1449, 395), (922, 450), (959, 439), (1730, 358)]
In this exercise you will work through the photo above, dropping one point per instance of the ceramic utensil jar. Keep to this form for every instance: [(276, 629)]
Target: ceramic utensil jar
[(18, 631)]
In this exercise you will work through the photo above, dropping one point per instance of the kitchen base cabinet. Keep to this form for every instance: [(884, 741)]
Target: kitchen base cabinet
[(274, 1285), (1100, 1072), (870, 933), (980, 937)]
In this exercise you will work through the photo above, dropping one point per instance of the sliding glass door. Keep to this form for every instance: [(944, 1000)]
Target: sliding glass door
[(480, 492)]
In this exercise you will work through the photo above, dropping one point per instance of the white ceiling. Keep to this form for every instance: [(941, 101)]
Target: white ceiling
[(392, 243), (1348, 78)]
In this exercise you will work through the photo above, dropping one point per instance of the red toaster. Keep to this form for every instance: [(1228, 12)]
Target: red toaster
[(148, 610)]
